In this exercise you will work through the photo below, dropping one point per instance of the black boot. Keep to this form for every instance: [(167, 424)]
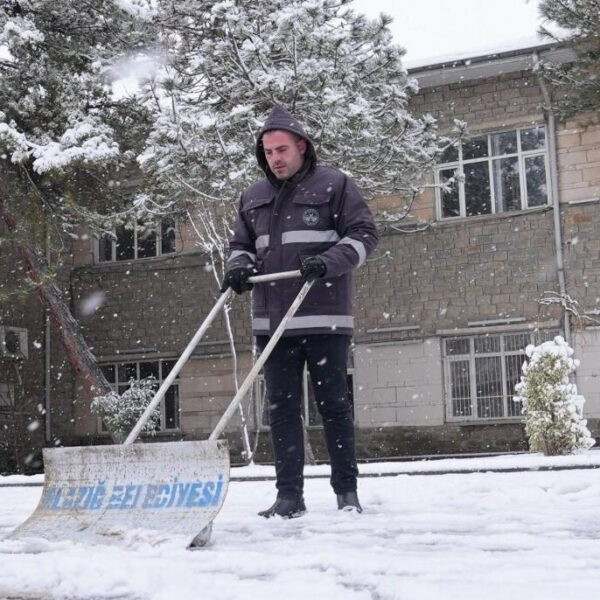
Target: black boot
[(288, 508), (348, 501)]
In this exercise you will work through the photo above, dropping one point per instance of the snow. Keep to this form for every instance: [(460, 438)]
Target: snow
[(526, 534)]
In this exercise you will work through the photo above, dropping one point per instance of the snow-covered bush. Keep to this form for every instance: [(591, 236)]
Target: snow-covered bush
[(553, 410), (120, 413)]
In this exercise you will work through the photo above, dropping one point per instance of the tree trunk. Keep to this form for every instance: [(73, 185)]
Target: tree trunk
[(65, 325)]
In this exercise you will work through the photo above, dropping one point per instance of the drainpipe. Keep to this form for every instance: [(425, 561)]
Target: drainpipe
[(47, 350), (560, 266)]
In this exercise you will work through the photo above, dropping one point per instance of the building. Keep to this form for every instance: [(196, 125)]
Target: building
[(444, 309)]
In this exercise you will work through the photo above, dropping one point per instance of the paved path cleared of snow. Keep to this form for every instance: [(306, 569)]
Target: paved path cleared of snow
[(531, 535)]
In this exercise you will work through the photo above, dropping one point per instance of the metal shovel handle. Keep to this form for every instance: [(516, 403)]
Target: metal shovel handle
[(166, 384)]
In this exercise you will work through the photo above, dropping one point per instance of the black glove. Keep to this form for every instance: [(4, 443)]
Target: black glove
[(312, 268), (237, 279)]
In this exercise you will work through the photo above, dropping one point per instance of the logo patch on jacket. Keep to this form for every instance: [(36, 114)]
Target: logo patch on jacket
[(310, 216)]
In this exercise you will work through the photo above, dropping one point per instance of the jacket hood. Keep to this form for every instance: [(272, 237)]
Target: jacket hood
[(280, 118)]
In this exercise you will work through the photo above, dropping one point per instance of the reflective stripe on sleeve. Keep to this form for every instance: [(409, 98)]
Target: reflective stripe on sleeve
[(261, 323), (262, 241), (358, 246), (236, 253)]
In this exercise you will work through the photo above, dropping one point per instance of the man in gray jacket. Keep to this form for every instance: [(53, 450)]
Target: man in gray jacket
[(313, 218)]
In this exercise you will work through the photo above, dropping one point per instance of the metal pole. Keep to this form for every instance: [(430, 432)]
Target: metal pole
[(560, 265)]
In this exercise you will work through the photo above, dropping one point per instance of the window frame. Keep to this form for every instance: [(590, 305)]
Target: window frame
[(521, 156), (136, 228), (7, 390), (162, 429), (447, 360)]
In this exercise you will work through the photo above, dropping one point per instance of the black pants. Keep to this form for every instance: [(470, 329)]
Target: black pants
[(326, 358)]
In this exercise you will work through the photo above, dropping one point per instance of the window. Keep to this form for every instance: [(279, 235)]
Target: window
[(481, 374), (7, 397), (501, 172), (137, 241), (310, 413), (118, 375)]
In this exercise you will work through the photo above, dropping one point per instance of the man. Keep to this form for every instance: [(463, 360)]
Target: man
[(312, 218)]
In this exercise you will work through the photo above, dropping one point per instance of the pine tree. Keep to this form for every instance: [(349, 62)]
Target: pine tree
[(553, 410), (578, 82), (231, 61), (65, 140)]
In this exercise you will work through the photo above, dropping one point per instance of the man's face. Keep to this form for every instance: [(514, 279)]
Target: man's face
[(284, 152)]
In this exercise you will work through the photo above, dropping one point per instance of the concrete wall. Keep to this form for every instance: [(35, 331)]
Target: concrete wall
[(586, 348), (398, 383)]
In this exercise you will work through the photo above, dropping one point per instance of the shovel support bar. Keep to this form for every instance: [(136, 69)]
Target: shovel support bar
[(162, 390)]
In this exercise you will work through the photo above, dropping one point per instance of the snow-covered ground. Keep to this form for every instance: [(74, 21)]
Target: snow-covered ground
[(533, 535)]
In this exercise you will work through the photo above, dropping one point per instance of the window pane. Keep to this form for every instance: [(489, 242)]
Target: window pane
[(460, 384), (350, 385), (172, 408), (450, 199), (535, 174), (149, 369), (488, 379), (487, 344), (127, 372), (124, 243), (449, 155), (7, 395), (167, 232), (262, 402), (166, 367), (105, 248), (314, 417), (507, 187), (146, 242), (457, 346), (477, 189), (546, 335), (532, 139), (109, 372), (504, 143), (516, 342), (513, 376), (476, 147)]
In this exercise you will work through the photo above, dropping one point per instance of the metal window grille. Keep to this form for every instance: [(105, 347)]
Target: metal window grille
[(481, 373), (500, 172), (118, 376)]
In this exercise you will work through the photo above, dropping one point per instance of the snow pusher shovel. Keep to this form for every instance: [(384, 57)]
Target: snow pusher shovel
[(118, 493)]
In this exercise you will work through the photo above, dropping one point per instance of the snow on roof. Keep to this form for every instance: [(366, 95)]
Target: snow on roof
[(520, 44), (476, 65)]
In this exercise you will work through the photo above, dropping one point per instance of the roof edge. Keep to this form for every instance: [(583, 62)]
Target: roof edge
[(490, 64)]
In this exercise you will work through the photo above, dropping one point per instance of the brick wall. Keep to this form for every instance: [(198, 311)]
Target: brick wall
[(478, 268), (578, 150)]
